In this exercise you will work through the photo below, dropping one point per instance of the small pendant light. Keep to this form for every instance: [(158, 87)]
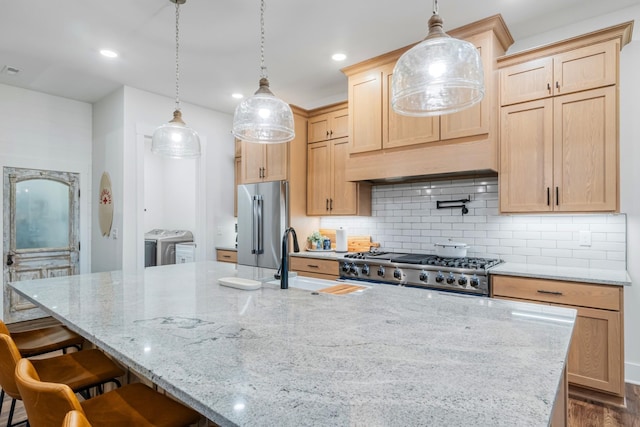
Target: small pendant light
[(175, 139), (263, 118), (440, 75)]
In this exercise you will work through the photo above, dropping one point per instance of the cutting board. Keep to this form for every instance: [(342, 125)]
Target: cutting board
[(341, 289), (354, 243)]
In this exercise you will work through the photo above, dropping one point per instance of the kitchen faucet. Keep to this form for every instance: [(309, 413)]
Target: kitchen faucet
[(284, 264)]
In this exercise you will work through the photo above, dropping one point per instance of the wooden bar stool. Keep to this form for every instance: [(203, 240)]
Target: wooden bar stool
[(48, 403), (75, 419), (43, 340), (79, 370)]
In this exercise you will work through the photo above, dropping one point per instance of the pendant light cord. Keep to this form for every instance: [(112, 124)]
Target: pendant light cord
[(177, 57), (435, 7), (263, 68)]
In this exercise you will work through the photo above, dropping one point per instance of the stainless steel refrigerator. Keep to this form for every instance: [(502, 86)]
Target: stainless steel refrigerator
[(263, 216)]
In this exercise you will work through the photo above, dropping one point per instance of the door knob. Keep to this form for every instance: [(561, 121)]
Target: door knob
[(9, 259)]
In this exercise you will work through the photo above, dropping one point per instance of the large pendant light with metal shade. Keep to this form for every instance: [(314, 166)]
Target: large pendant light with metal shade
[(263, 118), (175, 139), (439, 75)]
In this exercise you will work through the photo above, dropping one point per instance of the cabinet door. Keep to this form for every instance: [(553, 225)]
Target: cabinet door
[(586, 68), (526, 82), (318, 128), (595, 355), (343, 200), (473, 120), (399, 130), (318, 178), (365, 111), (586, 151), (275, 162), (526, 157), (252, 162), (339, 124)]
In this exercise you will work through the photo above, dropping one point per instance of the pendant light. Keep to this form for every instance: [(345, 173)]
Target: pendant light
[(263, 118), (175, 139), (440, 75)]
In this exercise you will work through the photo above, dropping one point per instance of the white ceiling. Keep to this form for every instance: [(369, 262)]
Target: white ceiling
[(55, 43)]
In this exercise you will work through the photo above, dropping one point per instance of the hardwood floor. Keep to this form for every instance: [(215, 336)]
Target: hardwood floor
[(581, 413), (588, 414)]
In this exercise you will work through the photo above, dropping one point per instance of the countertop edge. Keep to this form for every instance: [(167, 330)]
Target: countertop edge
[(537, 271)]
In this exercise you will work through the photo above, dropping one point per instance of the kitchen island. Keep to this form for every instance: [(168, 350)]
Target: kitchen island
[(387, 356)]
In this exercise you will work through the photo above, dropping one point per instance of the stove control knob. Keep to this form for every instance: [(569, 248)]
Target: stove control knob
[(381, 271), (450, 279), (365, 270), (439, 277), (354, 269), (475, 282), (424, 276), (397, 274), (345, 267), (462, 281)]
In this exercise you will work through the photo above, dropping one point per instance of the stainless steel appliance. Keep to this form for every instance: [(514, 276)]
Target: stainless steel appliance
[(160, 246), (464, 275), (263, 216)]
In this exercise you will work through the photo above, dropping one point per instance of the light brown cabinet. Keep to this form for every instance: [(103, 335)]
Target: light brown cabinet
[(388, 145), (225, 255), (596, 355), (579, 69), (559, 126), (264, 162), (560, 154), (320, 268), (327, 126), (328, 191)]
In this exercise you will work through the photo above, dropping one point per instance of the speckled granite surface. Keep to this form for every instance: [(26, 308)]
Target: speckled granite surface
[(389, 356), (587, 275)]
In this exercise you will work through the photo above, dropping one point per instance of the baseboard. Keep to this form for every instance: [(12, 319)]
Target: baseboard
[(632, 373)]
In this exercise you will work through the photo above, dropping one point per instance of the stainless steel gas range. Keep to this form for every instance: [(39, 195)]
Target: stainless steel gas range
[(463, 275)]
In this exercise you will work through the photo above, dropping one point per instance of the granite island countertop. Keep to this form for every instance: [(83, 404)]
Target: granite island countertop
[(387, 356)]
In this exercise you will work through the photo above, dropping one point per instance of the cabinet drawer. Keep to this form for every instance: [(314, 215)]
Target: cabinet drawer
[(314, 265), (226, 256), (558, 292)]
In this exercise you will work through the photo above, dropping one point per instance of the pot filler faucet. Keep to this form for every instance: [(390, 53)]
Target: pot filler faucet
[(284, 264)]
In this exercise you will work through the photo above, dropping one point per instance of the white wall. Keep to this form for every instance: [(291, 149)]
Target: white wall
[(40, 131), (214, 176), (108, 123)]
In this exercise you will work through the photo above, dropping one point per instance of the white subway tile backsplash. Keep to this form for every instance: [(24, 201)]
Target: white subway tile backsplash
[(405, 218)]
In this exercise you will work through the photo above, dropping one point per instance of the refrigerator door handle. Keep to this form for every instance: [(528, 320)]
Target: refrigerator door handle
[(260, 222), (254, 224)]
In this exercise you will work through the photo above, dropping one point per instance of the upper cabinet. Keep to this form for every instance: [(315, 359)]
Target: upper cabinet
[(388, 145), (331, 125), (264, 162), (328, 191), (580, 69), (559, 125)]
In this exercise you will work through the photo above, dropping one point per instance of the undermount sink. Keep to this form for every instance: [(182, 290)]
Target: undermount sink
[(312, 284)]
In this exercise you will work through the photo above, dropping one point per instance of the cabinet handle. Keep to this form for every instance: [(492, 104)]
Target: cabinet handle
[(557, 85), (331, 133), (557, 196), (548, 197), (226, 256), (542, 291), (313, 266), (330, 204), (327, 134), (549, 87), (326, 204)]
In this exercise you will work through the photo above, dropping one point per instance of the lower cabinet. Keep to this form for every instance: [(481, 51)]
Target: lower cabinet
[(596, 355), (315, 267), (225, 255)]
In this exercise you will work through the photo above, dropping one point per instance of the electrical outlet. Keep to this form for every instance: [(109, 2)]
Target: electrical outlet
[(585, 238), (114, 233), (219, 231)]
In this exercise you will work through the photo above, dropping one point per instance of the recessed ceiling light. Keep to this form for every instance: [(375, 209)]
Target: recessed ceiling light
[(237, 95), (109, 53), (338, 56)]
